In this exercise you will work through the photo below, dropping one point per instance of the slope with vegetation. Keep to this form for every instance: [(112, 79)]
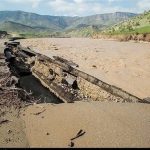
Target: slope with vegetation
[(24, 30), (84, 30), (137, 28), (139, 24)]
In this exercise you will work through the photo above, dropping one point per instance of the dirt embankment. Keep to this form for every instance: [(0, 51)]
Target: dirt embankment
[(136, 37)]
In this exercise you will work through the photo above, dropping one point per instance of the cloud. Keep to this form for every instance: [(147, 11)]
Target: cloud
[(86, 7), (111, 1), (32, 3), (75, 7), (144, 5)]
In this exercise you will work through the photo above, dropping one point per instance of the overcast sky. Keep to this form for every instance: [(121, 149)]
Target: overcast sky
[(75, 7)]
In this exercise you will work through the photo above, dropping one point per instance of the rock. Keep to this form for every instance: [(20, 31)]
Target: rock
[(47, 133), (94, 66), (8, 140), (71, 144), (9, 131)]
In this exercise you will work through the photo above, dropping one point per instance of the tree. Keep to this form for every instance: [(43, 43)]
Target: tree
[(129, 27), (137, 24)]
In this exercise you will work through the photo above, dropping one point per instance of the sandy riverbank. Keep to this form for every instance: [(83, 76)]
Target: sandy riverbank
[(105, 125), (110, 125), (12, 134), (124, 64)]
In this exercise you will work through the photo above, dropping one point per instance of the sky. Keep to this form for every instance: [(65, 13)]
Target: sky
[(75, 7)]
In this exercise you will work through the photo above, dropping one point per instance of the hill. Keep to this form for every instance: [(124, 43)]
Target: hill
[(87, 26), (25, 22), (84, 30), (103, 19), (18, 28), (139, 25), (31, 19)]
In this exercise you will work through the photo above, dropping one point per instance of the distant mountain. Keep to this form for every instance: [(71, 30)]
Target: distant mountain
[(103, 19), (33, 20), (11, 26), (19, 21)]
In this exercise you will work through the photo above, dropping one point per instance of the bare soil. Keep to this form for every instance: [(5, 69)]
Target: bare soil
[(135, 37), (105, 125)]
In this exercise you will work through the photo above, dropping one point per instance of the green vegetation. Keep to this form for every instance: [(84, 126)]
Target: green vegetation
[(137, 25), (145, 29), (83, 31)]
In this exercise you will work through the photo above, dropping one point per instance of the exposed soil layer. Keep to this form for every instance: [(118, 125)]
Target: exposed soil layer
[(135, 37)]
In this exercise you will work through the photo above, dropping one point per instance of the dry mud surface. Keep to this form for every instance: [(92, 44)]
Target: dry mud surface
[(12, 133), (104, 124), (123, 64)]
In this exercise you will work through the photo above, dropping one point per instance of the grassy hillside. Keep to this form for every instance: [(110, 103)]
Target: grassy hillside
[(138, 25), (87, 26), (24, 30), (10, 26), (84, 30)]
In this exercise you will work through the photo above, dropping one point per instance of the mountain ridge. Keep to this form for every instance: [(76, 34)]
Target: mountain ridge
[(59, 23)]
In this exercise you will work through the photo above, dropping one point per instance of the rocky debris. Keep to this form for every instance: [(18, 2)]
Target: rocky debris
[(79, 134), (10, 94), (47, 133), (4, 121), (7, 140), (9, 131), (71, 144), (94, 66), (3, 34), (38, 113), (12, 100), (147, 99)]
